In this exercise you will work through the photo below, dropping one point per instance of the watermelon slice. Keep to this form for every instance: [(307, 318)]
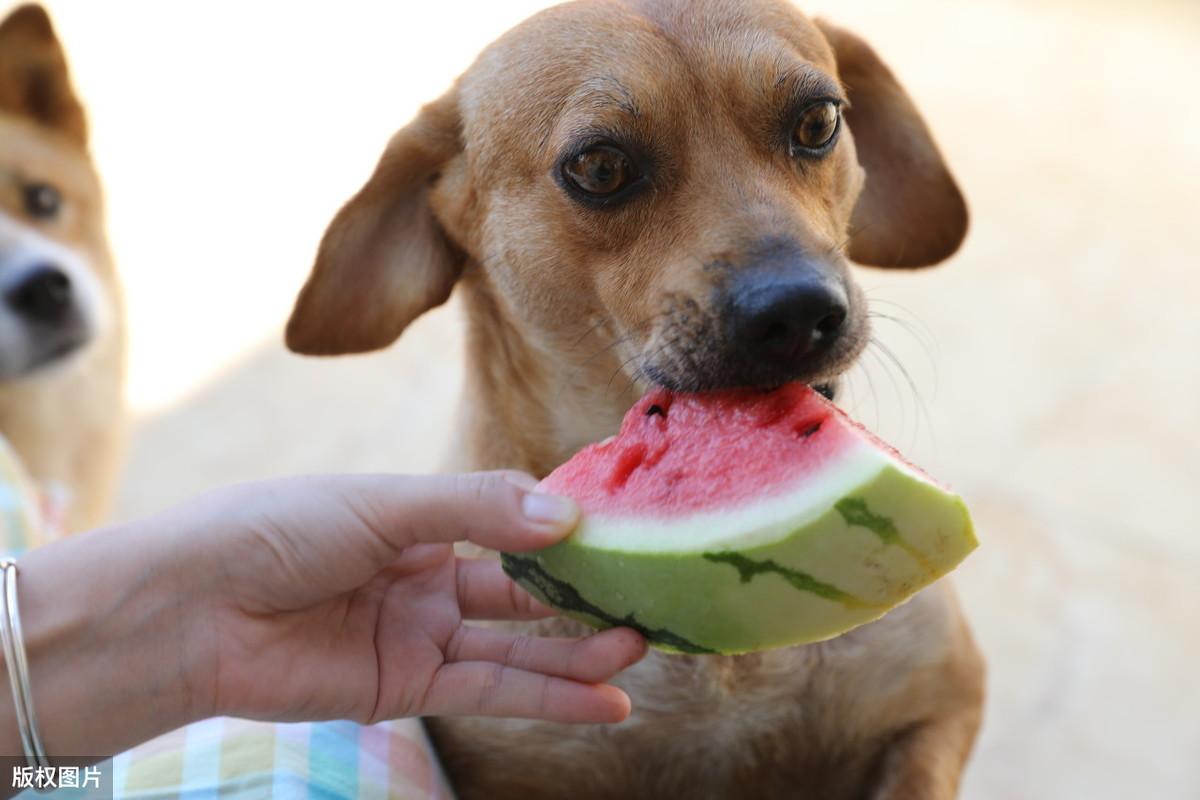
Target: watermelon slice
[(743, 520)]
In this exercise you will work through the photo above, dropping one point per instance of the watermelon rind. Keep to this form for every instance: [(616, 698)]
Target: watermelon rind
[(801, 566)]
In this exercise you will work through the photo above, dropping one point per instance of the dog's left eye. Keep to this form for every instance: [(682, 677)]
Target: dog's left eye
[(816, 128), (42, 201), (600, 171)]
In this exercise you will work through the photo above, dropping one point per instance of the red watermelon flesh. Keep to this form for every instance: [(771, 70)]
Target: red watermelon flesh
[(691, 452)]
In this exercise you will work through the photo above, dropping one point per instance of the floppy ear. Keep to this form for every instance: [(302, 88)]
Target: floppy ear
[(384, 260), (910, 213), (34, 81)]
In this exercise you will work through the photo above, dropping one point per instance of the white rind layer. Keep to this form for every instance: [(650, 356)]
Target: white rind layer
[(757, 523)]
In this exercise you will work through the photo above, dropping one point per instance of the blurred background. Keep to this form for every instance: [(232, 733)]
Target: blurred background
[(1052, 368)]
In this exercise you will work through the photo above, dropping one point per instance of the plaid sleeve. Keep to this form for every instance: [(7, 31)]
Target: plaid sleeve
[(20, 505), (240, 760)]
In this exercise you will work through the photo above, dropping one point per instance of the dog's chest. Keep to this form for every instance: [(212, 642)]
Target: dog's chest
[(765, 724), (825, 694), (761, 725)]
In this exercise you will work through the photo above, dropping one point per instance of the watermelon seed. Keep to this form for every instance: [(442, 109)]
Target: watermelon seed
[(809, 431), (656, 410)]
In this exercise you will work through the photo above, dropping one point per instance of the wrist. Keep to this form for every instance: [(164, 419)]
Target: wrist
[(106, 627)]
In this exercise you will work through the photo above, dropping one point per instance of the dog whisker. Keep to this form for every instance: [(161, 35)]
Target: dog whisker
[(838, 248), (891, 378), (591, 329), (637, 328), (579, 368), (926, 348), (641, 371), (922, 409), (621, 369), (924, 337), (913, 319), (852, 408), (862, 368), (615, 343), (608, 347)]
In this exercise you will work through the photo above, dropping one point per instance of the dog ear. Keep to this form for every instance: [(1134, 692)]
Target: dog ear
[(34, 80), (911, 212), (384, 259)]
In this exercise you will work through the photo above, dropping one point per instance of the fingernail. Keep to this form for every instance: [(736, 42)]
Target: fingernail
[(549, 509), (521, 479)]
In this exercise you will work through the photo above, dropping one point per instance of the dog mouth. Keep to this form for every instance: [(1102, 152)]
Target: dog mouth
[(60, 350), (827, 388), (691, 370), (701, 347), (42, 357)]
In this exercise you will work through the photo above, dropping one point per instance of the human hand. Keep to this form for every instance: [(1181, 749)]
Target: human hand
[(304, 599), (342, 597)]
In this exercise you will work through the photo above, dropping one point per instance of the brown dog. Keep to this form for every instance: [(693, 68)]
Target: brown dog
[(667, 191), (61, 332)]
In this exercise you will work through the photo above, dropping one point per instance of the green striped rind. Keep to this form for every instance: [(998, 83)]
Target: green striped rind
[(527, 571), (749, 569), (879, 544)]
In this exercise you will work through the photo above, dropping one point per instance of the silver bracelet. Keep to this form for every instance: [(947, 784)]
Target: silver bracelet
[(18, 667)]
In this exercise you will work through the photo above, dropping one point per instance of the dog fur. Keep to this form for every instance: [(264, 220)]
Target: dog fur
[(573, 309), (63, 414)]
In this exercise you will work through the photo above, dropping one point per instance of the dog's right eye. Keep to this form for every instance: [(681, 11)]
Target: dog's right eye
[(816, 128), (42, 201), (600, 171)]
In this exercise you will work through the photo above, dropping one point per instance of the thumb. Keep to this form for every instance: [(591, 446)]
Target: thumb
[(499, 510)]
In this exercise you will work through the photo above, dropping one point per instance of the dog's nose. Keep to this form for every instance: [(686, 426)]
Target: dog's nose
[(786, 316), (44, 295)]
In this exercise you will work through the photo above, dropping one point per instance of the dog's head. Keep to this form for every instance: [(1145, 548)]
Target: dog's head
[(692, 175), (56, 278)]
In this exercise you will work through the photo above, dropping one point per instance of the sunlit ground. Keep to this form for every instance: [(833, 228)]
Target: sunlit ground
[(1053, 362)]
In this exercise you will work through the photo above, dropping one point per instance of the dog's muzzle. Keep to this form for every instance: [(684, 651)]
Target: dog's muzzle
[(42, 318), (779, 316)]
